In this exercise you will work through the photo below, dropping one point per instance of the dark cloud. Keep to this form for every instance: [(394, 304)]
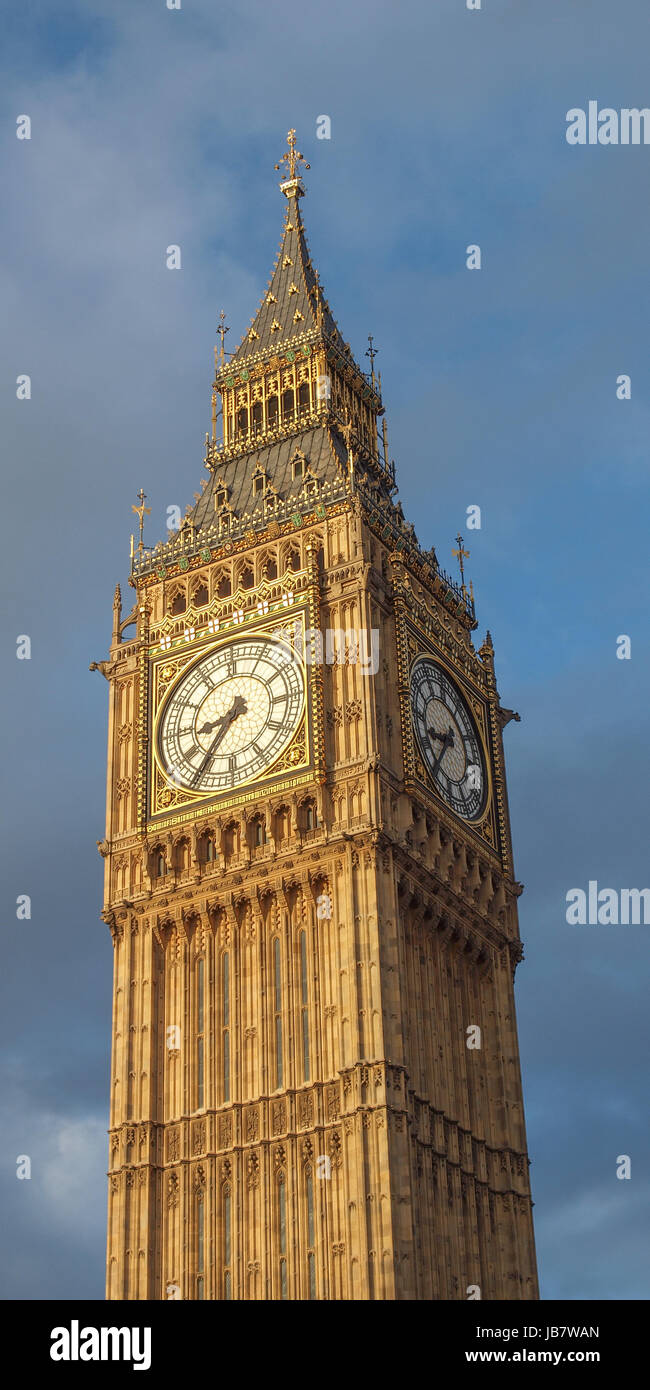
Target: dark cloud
[(152, 127)]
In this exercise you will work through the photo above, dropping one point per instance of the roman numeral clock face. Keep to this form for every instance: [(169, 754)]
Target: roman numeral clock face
[(447, 739), (231, 715)]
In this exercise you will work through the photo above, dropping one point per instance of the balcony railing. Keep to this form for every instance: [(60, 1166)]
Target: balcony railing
[(191, 541)]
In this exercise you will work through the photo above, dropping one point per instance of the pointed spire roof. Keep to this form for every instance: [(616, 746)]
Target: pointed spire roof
[(293, 303)]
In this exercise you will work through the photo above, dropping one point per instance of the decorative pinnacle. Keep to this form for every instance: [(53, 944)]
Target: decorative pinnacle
[(372, 353), (141, 512), (461, 555), (222, 330), (318, 295), (291, 182)]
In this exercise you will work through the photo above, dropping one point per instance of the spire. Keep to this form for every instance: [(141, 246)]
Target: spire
[(299, 416), (294, 304)]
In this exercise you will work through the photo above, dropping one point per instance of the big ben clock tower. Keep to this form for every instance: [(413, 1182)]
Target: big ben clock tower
[(315, 1085)]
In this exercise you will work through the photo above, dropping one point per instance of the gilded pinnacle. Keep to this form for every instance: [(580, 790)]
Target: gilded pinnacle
[(292, 185), (140, 512), (461, 555), (222, 330)]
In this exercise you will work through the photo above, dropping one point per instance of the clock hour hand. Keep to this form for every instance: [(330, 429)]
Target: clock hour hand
[(222, 725), (238, 707), (447, 741), (208, 726)]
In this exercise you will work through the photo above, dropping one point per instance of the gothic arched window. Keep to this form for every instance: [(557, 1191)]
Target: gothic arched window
[(277, 1001), (200, 1242), (182, 856), (231, 839), (225, 1024), (227, 1277), (311, 1255), (200, 1018), (304, 1005), (282, 1235)]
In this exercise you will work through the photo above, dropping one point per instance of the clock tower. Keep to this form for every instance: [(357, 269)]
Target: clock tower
[(315, 1084)]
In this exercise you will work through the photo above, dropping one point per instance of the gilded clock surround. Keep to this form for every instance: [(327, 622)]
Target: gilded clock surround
[(314, 1125), (476, 715), (486, 824), (166, 675)]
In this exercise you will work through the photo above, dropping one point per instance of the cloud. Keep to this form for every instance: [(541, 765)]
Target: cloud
[(53, 1222), (152, 127)]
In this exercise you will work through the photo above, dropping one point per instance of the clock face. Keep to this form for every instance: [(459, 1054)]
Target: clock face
[(449, 744), (229, 717)]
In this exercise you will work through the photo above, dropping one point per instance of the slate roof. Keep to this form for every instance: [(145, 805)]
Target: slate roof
[(289, 304), (326, 457)]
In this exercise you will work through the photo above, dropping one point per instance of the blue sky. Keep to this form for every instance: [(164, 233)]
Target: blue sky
[(152, 127)]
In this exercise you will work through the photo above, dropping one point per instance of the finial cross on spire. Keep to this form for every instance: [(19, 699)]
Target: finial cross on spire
[(292, 158), (461, 555), (141, 512)]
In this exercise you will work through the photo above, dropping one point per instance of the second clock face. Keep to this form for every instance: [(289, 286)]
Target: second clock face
[(231, 715), (447, 738)]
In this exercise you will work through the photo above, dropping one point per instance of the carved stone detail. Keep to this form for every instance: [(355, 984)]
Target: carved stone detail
[(224, 1131)]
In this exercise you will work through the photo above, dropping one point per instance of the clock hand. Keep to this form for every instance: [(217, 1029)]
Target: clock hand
[(212, 724), (433, 733), (238, 707), (447, 742)]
